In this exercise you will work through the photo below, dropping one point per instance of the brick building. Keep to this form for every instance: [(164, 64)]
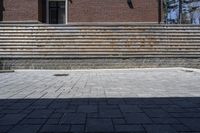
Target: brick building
[(68, 11)]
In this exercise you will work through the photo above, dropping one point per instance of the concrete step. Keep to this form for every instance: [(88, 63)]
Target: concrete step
[(100, 46), (45, 35), (101, 31), (102, 38), (101, 49), (117, 57), (112, 41), (103, 43), (96, 52), (99, 37), (99, 27), (100, 56), (58, 40), (117, 44), (91, 42)]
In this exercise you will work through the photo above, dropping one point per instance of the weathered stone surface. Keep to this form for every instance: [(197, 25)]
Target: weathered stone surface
[(85, 46), (106, 63)]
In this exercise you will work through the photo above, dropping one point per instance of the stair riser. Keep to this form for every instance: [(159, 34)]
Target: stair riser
[(94, 31), (95, 36), (35, 27), (124, 52), (70, 45), (130, 41), (96, 49), (35, 34), (95, 56), (104, 46)]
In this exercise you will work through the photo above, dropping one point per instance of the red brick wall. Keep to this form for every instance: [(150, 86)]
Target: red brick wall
[(113, 11), (85, 10), (20, 10)]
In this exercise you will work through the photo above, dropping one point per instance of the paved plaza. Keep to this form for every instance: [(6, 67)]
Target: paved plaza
[(100, 101)]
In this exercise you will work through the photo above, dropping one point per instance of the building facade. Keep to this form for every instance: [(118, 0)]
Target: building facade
[(182, 11), (75, 11)]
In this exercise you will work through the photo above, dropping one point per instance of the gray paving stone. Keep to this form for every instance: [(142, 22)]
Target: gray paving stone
[(79, 102), (4, 129), (77, 128), (59, 105), (13, 111), (96, 101), (165, 120), (108, 107), (186, 104), (164, 102), (109, 111), (156, 113), (56, 115), (129, 128), (11, 119), (173, 109), (115, 101), (110, 114), (99, 125), (40, 114), (33, 121), (73, 118), (53, 121), (186, 115), (192, 123), (119, 121), (159, 129), (87, 108), (137, 118), (129, 108), (70, 109), (25, 129), (93, 115), (180, 128), (55, 129), (151, 97), (18, 106)]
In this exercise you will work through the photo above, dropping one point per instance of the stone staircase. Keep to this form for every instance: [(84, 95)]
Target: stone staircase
[(39, 46)]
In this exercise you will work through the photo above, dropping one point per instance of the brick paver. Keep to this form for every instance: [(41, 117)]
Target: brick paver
[(128, 101)]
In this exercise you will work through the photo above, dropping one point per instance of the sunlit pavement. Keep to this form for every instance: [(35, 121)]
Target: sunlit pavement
[(128, 100)]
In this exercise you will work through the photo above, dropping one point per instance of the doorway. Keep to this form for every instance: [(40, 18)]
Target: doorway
[(57, 11)]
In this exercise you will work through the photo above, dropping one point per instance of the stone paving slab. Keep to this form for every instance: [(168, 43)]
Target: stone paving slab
[(163, 100)]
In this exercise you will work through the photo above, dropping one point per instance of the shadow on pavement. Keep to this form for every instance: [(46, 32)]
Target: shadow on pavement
[(99, 115)]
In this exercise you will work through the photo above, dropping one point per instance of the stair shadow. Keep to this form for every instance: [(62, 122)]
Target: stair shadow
[(127, 115)]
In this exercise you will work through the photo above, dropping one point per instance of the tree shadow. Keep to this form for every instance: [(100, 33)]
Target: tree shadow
[(2, 9), (101, 115)]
